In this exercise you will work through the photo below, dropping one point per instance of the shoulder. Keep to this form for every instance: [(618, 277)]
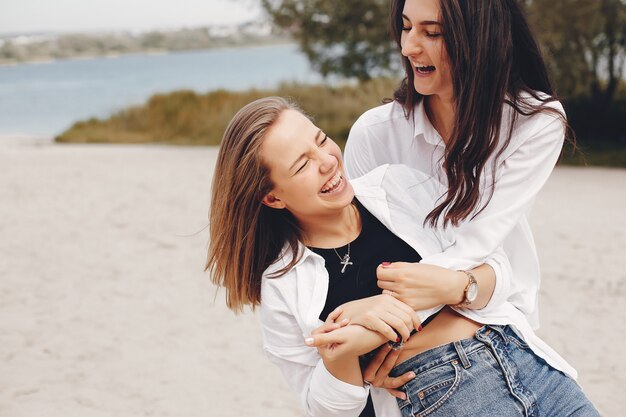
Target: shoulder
[(271, 277), (535, 119), (275, 288), (383, 115), (377, 133), (536, 110)]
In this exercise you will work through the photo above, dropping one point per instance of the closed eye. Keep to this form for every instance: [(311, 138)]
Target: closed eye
[(323, 142), (302, 166)]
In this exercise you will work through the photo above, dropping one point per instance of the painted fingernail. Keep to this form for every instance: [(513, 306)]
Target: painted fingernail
[(419, 329), (386, 263), (397, 339), (309, 341)]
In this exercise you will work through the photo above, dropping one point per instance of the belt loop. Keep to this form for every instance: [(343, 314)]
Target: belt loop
[(500, 330), (462, 355)]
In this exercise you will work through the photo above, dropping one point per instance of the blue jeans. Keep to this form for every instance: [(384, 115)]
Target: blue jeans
[(494, 373)]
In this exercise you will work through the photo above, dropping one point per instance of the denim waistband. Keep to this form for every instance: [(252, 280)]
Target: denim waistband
[(459, 350)]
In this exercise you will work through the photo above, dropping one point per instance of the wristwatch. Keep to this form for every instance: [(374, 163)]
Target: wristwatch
[(471, 291)]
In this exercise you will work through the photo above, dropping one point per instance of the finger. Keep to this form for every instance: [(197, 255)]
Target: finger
[(398, 325), (402, 265), (387, 285), (397, 382), (370, 371), (329, 327), (381, 326), (415, 319), (397, 394), (335, 326), (316, 340), (388, 273), (417, 323), (403, 306), (405, 316), (391, 293), (383, 372), (334, 314)]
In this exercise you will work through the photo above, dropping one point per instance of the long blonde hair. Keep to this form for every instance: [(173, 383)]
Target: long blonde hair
[(247, 236)]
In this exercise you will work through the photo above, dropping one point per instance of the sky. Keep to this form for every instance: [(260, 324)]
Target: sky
[(94, 15)]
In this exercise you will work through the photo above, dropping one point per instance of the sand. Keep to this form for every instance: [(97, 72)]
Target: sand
[(105, 309)]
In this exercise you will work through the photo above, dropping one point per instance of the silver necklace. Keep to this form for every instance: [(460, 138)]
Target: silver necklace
[(344, 260)]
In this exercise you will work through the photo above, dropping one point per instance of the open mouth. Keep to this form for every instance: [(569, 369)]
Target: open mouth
[(333, 184), (426, 69)]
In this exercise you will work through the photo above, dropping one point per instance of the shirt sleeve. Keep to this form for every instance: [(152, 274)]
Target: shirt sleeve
[(320, 393), (359, 157), (520, 177)]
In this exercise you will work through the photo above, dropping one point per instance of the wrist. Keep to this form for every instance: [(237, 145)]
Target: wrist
[(456, 291)]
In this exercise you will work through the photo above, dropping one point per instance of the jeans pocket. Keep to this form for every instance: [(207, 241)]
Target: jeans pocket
[(431, 388)]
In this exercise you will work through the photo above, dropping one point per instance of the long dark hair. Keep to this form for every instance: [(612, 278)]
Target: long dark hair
[(247, 236), (493, 58)]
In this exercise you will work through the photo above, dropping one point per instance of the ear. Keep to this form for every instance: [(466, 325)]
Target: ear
[(271, 201)]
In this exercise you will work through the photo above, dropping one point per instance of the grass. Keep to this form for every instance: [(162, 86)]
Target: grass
[(188, 118)]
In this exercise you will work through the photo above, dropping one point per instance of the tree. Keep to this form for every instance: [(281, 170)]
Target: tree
[(585, 41), (347, 37)]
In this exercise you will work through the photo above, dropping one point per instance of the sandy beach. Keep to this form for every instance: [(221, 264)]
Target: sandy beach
[(105, 309)]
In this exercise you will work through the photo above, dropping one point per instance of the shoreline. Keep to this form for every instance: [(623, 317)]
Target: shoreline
[(155, 52)]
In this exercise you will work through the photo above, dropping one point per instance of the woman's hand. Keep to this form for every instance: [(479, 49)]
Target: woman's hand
[(380, 313), (377, 371), (336, 341), (421, 286)]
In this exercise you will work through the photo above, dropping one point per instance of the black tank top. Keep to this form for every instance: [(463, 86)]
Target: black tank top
[(374, 245)]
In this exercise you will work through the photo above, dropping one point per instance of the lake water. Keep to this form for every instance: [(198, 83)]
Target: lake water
[(45, 99)]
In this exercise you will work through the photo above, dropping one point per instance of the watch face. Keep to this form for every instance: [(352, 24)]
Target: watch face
[(472, 292)]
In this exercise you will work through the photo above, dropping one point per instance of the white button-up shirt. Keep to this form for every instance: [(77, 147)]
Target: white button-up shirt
[(383, 135), (290, 305)]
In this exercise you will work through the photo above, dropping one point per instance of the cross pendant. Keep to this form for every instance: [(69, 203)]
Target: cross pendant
[(345, 262)]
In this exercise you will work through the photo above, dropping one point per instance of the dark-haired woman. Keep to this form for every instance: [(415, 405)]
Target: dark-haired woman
[(289, 232), (476, 110)]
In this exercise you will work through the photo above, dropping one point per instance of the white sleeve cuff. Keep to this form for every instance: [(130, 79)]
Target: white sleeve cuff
[(331, 396), (503, 283)]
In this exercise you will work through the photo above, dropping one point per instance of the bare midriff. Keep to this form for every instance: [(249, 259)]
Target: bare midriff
[(449, 326)]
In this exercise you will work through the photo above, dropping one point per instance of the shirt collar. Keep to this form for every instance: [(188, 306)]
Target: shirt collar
[(423, 127)]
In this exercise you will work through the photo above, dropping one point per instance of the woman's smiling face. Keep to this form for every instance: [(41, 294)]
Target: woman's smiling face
[(305, 167), (423, 45)]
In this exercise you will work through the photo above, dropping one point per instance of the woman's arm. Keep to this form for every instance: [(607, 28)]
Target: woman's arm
[(382, 313), (423, 286), (320, 392), (520, 177), (526, 165)]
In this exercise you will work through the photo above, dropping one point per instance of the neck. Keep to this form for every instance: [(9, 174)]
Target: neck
[(441, 113), (332, 230)]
